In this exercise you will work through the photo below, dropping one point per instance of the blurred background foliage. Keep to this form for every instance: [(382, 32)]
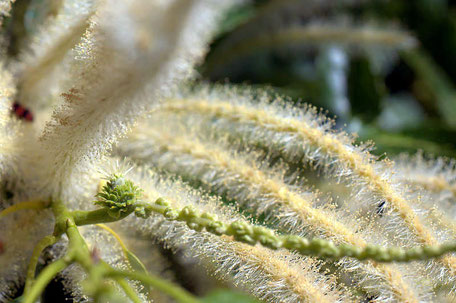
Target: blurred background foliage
[(383, 69)]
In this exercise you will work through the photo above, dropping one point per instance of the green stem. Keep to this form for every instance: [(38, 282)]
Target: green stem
[(129, 291), (61, 215), (251, 234), (32, 204), (95, 216), (78, 246), (45, 242), (177, 293), (48, 273)]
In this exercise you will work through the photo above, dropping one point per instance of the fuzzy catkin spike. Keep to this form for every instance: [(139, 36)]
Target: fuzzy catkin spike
[(297, 27), (244, 232), (434, 180), (359, 165), (436, 175), (272, 276), (169, 37), (221, 161), (9, 132), (232, 177), (317, 34), (42, 66), (260, 129), (7, 92)]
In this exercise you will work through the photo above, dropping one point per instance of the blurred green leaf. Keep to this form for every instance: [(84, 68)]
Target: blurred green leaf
[(363, 88), (411, 142), (138, 266), (437, 82), (135, 263)]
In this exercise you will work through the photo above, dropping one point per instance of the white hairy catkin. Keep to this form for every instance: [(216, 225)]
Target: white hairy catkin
[(274, 276), (131, 48), (433, 180), (435, 175), (303, 136), (41, 65), (295, 27), (369, 39), (262, 191), (18, 232), (130, 56), (7, 92), (439, 224), (9, 131)]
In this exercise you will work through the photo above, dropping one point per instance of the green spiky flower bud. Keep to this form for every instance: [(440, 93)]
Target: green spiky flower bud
[(119, 195)]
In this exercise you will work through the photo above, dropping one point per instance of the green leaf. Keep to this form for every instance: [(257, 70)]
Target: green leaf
[(138, 266), (227, 296), (135, 263), (437, 81)]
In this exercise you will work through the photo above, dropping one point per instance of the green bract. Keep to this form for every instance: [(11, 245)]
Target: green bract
[(119, 195)]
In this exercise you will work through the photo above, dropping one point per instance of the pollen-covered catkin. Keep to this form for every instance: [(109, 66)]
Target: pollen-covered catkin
[(43, 65), (435, 175), (238, 179), (8, 129), (303, 136), (145, 48), (432, 181), (319, 144), (272, 276)]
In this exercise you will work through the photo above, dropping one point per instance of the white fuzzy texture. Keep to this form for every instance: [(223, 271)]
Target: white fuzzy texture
[(263, 191), (435, 175), (302, 136), (7, 92), (130, 58), (9, 130), (433, 180), (132, 48), (271, 276), (41, 67)]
